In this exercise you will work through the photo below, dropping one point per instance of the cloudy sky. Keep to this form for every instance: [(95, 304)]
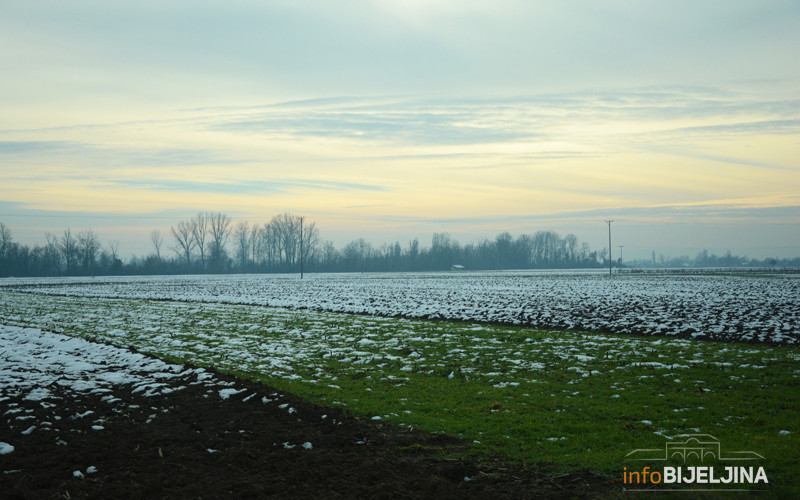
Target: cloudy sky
[(391, 119)]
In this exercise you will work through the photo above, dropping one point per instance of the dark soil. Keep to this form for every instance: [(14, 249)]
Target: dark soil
[(159, 447)]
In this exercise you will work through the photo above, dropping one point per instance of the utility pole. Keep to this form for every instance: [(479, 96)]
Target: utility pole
[(620, 254), (609, 245), (301, 247)]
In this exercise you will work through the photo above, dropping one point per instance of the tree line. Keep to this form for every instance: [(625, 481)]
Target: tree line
[(705, 259), (211, 243)]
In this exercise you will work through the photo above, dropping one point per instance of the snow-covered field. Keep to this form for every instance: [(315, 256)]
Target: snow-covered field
[(51, 369), (733, 308), (48, 367)]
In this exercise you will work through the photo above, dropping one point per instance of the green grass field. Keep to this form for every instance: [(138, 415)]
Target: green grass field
[(563, 400)]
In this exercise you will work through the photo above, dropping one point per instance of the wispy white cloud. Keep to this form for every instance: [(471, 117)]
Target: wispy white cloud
[(254, 187), (724, 159), (109, 156)]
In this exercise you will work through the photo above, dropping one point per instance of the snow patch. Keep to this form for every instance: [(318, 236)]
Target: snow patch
[(227, 393)]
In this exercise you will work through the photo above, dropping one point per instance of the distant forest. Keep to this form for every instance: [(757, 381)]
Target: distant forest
[(211, 243)]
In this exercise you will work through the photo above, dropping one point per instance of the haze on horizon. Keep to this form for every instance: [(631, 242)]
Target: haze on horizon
[(397, 119)]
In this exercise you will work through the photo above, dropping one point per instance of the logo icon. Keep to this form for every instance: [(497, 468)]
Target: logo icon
[(702, 447)]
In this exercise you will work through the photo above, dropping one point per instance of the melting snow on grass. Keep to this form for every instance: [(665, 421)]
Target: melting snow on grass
[(320, 348), (49, 368)]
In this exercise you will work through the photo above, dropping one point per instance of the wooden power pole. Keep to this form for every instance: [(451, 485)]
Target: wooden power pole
[(301, 247), (609, 246)]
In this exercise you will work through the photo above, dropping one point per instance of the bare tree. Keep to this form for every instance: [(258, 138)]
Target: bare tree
[(113, 255), (570, 248), (113, 249), (585, 251), (5, 240), (155, 237), (6, 243), (242, 233), (329, 253), (184, 240), (199, 232), (545, 248), (256, 243), (356, 252), (69, 249), (219, 230), (272, 243), (88, 245), (310, 242), (287, 232), (53, 252)]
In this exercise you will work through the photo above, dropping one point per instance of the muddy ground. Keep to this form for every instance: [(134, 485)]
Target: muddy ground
[(192, 443)]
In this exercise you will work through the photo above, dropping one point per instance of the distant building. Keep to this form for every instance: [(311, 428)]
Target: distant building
[(457, 267)]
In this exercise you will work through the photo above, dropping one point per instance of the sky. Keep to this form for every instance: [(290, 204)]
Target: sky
[(391, 120)]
